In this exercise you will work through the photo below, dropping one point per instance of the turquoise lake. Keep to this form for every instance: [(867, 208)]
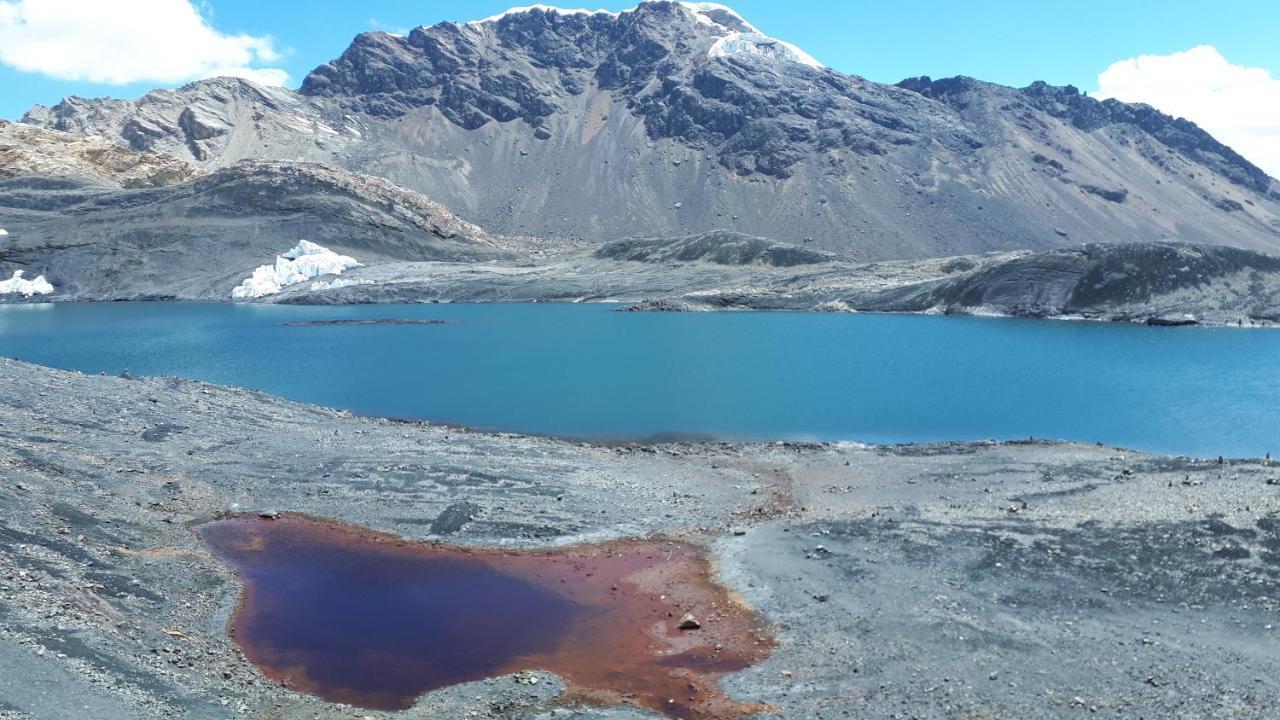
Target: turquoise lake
[(584, 371)]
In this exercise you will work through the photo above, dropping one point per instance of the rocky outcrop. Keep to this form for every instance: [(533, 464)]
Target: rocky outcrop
[(718, 247), (1168, 283), (210, 122), (266, 188), (27, 150)]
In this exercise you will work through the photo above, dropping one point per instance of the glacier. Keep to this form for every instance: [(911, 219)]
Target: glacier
[(305, 261), (748, 43), (27, 288), (702, 13), (336, 283)]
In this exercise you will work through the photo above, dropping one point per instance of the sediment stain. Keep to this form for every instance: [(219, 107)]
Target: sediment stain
[(369, 619)]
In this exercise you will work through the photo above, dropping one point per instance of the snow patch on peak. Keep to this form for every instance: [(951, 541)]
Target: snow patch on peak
[(305, 261), (715, 15), (751, 43), (27, 288), (709, 13), (544, 8)]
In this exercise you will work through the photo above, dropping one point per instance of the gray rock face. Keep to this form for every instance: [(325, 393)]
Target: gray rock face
[(720, 248), (757, 115), (1090, 115), (198, 239), (1166, 282), (603, 126), (212, 122), (27, 150)]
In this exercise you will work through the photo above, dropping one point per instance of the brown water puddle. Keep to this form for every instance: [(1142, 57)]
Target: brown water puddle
[(368, 619)]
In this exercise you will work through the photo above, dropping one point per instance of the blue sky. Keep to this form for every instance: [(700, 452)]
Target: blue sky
[(1011, 42)]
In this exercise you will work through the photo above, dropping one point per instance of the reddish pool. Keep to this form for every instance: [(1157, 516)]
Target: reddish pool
[(364, 618)]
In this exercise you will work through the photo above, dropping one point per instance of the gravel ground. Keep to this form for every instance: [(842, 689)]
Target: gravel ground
[(990, 580)]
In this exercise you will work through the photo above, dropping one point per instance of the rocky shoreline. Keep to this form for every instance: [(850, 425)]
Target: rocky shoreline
[(1159, 284), (1018, 579)]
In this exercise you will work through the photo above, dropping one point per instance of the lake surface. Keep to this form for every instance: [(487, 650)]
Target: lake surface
[(584, 371)]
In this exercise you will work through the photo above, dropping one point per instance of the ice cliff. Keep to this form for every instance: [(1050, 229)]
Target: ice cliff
[(305, 261), (27, 288)]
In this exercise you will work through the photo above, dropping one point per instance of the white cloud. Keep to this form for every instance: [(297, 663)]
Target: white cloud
[(1240, 106), (118, 43)]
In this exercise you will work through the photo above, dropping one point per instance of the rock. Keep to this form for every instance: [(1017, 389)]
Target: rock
[(689, 622), (720, 247), (1171, 321)]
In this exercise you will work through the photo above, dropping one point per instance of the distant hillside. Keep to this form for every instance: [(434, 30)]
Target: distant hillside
[(1166, 283), (71, 221)]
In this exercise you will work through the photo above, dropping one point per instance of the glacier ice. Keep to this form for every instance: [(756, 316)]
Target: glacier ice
[(305, 261), (27, 288), (336, 283), (702, 12), (748, 43)]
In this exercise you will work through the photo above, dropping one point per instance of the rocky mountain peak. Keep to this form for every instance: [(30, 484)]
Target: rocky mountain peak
[(696, 73), (706, 13), (520, 64)]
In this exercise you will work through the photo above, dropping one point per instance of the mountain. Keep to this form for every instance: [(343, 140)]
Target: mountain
[(681, 118), (99, 221)]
